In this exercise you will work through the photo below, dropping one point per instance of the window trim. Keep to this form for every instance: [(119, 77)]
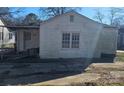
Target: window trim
[(74, 44), (70, 44), (10, 35), (67, 41)]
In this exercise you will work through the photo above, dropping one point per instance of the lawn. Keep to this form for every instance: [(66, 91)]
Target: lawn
[(120, 56)]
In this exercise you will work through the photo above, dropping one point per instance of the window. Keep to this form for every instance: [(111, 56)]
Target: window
[(75, 40), (10, 35), (1, 35), (66, 40), (27, 35), (71, 18), (70, 40)]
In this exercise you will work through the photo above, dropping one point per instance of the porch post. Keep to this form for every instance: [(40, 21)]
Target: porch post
[(2, 37)]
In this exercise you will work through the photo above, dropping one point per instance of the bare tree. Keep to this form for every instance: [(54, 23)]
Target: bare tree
[(4, 11), (118, 21), (99, 16), (54, 11), (7, 14), (114, 14)]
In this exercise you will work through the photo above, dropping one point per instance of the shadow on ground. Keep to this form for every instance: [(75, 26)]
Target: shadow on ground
[(33, 70)]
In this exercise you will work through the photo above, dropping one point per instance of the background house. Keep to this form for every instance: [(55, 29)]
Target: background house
[(7, 37), (72, 35), (121, 38)]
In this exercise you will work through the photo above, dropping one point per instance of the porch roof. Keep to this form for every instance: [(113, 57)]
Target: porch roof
[(20, 27)]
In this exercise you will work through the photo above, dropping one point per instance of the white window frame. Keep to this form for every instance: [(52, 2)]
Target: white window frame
[(10, 35), (71, 41), (75, 40), (66, 40)]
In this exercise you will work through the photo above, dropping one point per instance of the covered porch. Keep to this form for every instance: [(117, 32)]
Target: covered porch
[(26, 42), (27, 39)]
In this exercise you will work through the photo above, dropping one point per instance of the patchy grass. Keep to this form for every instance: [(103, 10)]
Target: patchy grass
[(96, 84), (116, 84), (105, 80), (120, 56), (8, 45), (84, 84)]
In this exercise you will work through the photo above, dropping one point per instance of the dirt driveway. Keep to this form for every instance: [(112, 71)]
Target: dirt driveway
[(96, 74), (33, 70)]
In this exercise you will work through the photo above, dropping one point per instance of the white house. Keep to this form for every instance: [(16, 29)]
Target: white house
[(72, 35), (7, 37), (69, 35)]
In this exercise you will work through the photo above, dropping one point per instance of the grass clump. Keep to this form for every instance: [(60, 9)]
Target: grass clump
[(120, 56)]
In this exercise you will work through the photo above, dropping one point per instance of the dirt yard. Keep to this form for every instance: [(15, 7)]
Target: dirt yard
[(96, 74), (37, 72)]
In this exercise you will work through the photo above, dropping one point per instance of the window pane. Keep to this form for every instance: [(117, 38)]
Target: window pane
[(10, 35), (65, 40), (75, 40)]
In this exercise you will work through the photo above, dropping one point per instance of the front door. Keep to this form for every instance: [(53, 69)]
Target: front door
[(27, 40)]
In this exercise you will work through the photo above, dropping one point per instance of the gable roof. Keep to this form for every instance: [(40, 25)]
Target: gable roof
[(104, 25), (50, 19)]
